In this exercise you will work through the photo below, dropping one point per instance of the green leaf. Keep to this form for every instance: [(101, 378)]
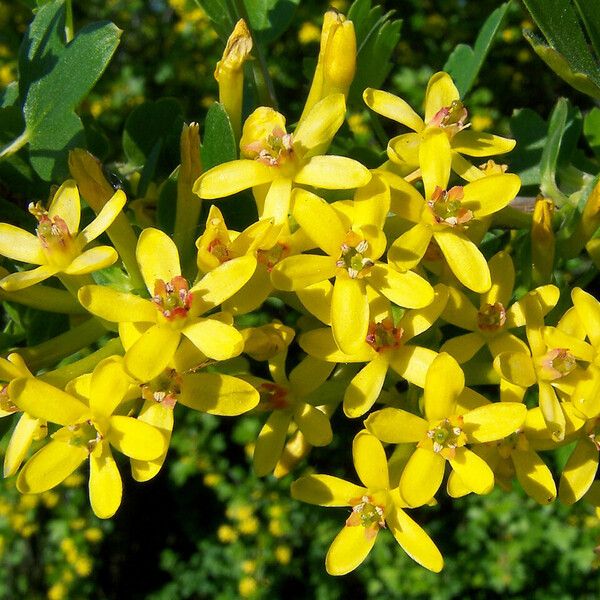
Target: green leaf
[(590, 15), (219, 141), (165, 206), (549, 159), (465, 62), (218, 12), (529, 130), (269, 19), (377, 36), (591, 130), (150, 125)]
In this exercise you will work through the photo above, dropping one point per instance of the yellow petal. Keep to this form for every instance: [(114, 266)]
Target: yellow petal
[(152, 352), (588, 309), (552, 411), (460, 311), (396, 426), (232, 177), (110, 211), (108, 387), (25, 279), (20, 442), (405, 289), (333, 173), (405, 200), (441, 92), (297, 272), (134, 438), (372, 205), (579, 472), (435, 161), (321, 344), (215, 339), (91, 260), (392, 107), (370, 461), (507, 342), (412, 363), (269, 444), (465, 169), (46, 402), (490, 194), (534, 476), (415, 322), (455, 487), (494, 421), (105, 487), (502, 272), (465, 259), (516, 367), (49, 466), (319, 221), (316, 298), (349, 314), (586, 395), (315, 132), (66, 205), (478, 143), (114, 306), (444, 382), (348, 550), (325, 490), (308, 375), (314, 424), (422, 477), (157, 257), (18, 244), (555, 338), (217, 394), (365, 387), (277, 201), (407, 250), (473, 471), (403, 150), (252, 294), (414, 541), (463, 347)]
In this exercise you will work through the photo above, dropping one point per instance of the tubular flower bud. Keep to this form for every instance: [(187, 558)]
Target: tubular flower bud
[(542, 241), (229, 73), (590, 219)]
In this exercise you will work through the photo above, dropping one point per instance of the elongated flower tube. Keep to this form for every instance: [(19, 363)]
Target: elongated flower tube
[(442, 436), (174, 308), (447, 214), (58, 246), (352, 239), (89, 428), (276, 159), (385, 346), (374, 506), (444, 112)]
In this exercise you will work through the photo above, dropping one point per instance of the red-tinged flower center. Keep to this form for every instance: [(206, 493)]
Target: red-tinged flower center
[(273, 396), (84, 434), (269, 258), (353, 257), (366, 514), (491, 317), (514, 441), (445, 436), (173, 299), (452, 118), (219, 250), (58, 244), (557, 363), (446, 206), (6, 404), (274, 150), (164, 389), (384, 335)]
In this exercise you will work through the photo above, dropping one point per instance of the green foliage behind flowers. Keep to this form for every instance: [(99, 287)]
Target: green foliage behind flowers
[(242, 243)]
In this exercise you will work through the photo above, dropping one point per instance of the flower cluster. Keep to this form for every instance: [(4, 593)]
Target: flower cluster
[(385, 278)]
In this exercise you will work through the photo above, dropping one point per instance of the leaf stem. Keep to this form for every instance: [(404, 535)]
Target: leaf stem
[(15, 145), (69, 28)]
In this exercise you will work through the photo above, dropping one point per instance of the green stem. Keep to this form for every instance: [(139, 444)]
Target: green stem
[(15, 145), (61, 376), (512, 218), (48, 353), (69, 28), (378, 130)]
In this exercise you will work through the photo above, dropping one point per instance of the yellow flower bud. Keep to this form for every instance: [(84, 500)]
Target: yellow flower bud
[(262, 343), (542, 241), (230, 73), (87, 171), (283, 554), (247, 587)]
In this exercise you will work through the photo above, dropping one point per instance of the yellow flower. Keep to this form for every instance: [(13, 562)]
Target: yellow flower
[(373, 507), (58, 247), (88, 431), (384, 346), (283, 555), (174, 309), (276, 160), (226, 534), (446, 215), (454, 417), (247, 587), (351, 235), (444, 112)]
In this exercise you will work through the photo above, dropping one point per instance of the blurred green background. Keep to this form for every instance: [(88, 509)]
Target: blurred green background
[(206, 527)]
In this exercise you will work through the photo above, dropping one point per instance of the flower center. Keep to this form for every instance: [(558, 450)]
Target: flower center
[(514, 441), (85, 434), (352, 257), (367, 514), (452, 118), (58, 244), (446, 206), (269, 258), (274, 150), (6, 404), (219, 250), (557, 363), (445, 436), (273, 396), (491, 317), (383, 335), (173, 299), (164, 389)]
